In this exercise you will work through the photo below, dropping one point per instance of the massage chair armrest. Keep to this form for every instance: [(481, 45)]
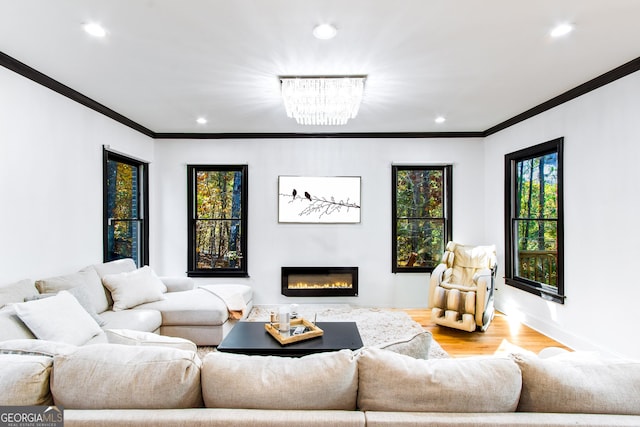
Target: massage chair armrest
[(484, 281), (483, 277), (436, 279), (178, 284)]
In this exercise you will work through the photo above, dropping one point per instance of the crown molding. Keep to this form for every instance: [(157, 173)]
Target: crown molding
[(44, 80), (593, 84), (336, 135)]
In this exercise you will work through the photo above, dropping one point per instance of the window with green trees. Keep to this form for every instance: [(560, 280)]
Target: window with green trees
[(421, 212), (217, 215), (125, 209), (534, 220)]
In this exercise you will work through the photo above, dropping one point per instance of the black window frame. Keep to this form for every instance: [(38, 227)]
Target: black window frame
[(511, 159), (447, 171), (192, 270), (143, 197)]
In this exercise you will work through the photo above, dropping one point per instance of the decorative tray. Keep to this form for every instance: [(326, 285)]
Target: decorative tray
[(310, 331)]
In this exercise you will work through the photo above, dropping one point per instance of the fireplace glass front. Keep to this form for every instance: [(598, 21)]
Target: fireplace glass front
[(319, 281)]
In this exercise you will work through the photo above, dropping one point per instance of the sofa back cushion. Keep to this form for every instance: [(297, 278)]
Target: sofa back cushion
[(112, 376), (326, 381), (17, 292), (11, 327), (394, 382), (87, 279), (573, 383), (24, 380)]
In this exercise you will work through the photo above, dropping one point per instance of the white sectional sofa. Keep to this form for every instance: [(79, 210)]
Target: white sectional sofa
[(109, 384), (119, 296)]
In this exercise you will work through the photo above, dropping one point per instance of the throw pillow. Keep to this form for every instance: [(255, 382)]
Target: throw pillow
[(114, 267), (389, 381), (131, 337), (416, 346), (17, 292), (83, 298), (58, 318), (133, 288)]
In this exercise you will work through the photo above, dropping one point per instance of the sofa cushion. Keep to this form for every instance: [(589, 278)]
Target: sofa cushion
[(11, 327), (131, 337), (318, 381), (133, 288), (36, 347), (219, 417), (178, 284), (17, 292), (58, 318), (573, 383), (112, 376), (394, 382), (87, 278), (195, 307), (138, 319), (24, 380)]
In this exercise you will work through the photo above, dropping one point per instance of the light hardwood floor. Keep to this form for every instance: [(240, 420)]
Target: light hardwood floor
[(502, 333)]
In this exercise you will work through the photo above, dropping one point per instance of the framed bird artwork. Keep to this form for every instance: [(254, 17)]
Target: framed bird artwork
[(319, 199)]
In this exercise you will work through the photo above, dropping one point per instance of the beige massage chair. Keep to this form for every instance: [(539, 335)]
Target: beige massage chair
[(461, 288)]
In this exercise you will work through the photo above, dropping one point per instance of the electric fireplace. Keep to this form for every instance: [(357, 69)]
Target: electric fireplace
[(320, 281)]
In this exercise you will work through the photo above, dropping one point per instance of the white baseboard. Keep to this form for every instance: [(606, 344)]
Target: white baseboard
[(551, 330)]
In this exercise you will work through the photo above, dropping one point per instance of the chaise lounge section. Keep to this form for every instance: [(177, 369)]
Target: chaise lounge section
[(120, 296)]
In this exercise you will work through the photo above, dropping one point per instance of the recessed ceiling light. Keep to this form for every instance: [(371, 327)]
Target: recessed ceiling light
[(94, 29), (201, 120), (561, 30), (440, 119), (325, 31)]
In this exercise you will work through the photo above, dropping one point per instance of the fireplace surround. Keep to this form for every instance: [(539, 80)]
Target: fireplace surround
[(320, 281)]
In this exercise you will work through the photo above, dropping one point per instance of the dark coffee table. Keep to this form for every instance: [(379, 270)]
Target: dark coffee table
[(252, 338)]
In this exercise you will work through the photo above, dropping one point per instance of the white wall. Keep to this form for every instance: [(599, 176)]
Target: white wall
[(602, 201), (51, 179), (273, 245), (51, 203)]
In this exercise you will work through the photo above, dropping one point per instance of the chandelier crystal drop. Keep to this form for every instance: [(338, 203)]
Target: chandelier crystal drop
[(324, 101)]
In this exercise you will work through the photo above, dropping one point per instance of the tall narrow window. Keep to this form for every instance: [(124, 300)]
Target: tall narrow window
[(421, 203), (217, 214), (534, 220), (125, 208)]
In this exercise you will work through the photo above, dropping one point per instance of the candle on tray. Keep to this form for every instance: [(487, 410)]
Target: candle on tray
[(283, 320)]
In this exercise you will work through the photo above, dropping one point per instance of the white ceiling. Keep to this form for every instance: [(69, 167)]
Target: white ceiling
[(166, 62)]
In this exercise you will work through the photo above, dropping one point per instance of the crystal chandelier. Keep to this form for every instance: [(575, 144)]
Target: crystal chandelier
[(329, 100)]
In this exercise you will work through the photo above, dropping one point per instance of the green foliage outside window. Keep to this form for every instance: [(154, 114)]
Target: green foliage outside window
[(536, 219), (218, 217), (421, 228), (122, 207)]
